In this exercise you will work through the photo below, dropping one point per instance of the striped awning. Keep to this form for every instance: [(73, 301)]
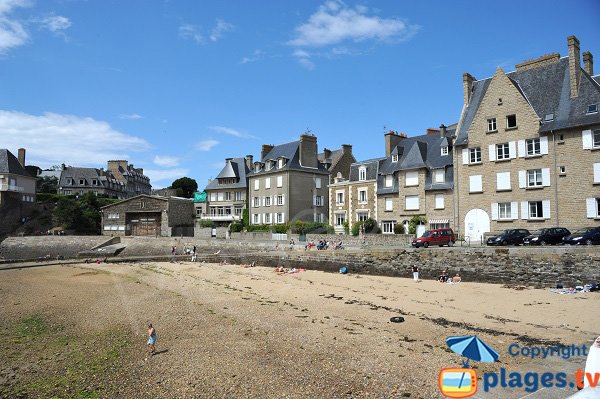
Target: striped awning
[(438, 221)]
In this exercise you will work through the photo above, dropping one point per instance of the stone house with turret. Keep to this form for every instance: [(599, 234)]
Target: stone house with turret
[(527, 149)]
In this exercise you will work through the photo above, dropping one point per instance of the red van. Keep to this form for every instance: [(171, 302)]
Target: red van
[(435, 237)]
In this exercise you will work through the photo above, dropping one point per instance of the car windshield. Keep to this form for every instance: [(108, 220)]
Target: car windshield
[(539, 232), (582, 231), (426, 234), (509, 232)]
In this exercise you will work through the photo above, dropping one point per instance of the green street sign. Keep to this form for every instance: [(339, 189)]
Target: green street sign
[(200, 197)]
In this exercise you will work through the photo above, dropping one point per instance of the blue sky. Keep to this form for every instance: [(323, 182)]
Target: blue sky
[(177, 86)]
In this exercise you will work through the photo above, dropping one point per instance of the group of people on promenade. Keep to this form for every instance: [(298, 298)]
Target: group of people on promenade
[(443, 278), (323, 244)]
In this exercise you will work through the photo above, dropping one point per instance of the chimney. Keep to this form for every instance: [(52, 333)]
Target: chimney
[(442, 130), (574, 65), (308, 150), (22, 156), (249, 161), (391, 141), (538, 62), (467, 87), (266, 148), (432, 131), (347, 148), (588, 63)]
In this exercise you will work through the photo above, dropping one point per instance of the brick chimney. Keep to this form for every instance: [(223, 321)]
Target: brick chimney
[(308, 150), (266, 148), (432, 131), (588, 63), (467, 87), (574, 64), (22, 156), (249, 161), (392, 139), (442, 130), (347, 148)]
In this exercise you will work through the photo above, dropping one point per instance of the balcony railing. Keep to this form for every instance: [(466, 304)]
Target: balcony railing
[(8, 187)]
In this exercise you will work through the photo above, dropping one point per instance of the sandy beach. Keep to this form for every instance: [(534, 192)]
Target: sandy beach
[(227, 331)]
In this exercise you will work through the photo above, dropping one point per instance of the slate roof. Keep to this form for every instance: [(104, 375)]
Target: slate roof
[(87, 174), (547, 88), (372, 166), (10, 164), (234, 168), (290, 151)]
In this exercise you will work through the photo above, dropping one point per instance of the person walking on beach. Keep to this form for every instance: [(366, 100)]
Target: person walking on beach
[(415, 271), (151, 339), (173, 252)]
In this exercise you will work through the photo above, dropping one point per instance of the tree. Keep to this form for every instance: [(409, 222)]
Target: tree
[(47, 184), (185, 187)]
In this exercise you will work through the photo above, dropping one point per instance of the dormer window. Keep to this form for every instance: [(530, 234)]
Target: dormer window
[(69, 181), (394, 158), (592, 109), (268, 165), (81, 182), (280, 163), (549, 118), (362, 173), (256, 167), (444, 150)]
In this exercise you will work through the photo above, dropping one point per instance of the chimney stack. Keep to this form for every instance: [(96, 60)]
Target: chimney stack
[(309, 151), (249, 161), (347, 148), (574, 64), (588, 63), (266, 148), (467, 87), (391, 141), (432, 131), (442, 130), (22, 156)]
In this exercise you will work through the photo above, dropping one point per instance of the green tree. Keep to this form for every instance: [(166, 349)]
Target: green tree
[(47, 184), (185, 186)]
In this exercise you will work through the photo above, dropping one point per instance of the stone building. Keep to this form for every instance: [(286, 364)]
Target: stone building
[(289, 183), (17, 190), (337, 161), (146, 215), (527, 147), (120, 180), (227, 194)]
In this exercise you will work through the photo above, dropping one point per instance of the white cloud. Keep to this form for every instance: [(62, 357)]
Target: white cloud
[(56, 138), (303, 58), (130, 116), (12, 32), (220, 28), (56, 23), (191, 32), (335, 22), (256, 56), (168, 175), (217, 165), (206, 145), (231, 132), (166, 160)]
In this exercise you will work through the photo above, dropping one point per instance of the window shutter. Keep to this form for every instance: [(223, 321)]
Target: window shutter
[(494, 211), (524, 210), (283, 199), (586, 137), (597, 173), (514, 210), (282, 217), (522, 179), (322, 200), (592, 212), (503, 181), (544, 145), (314, 200), (546, 209), (512, 150), (475, 184), (521, 147), (546, 177), (465, 156), (492, 152)]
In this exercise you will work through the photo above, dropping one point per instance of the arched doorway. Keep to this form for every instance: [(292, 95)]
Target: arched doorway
[(477, 222)]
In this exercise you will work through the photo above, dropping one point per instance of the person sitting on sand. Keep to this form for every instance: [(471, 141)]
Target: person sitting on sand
[(456, 279), (443, 277)]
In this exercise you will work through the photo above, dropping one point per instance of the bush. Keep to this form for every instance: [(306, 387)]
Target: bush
[(414, 222), (47, 197), (236, 227), (302, 227), (398, 229), (258, 227), (206, 223), (245, 217), (280, 228), (370, 227), (356, 228), (346, 227)]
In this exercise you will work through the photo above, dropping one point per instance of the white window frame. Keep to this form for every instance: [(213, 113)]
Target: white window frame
[(267, 218), (267, 182), (389, 181), (339, 197), (492, 125), (363, 192), (506, 208), (279, 181), (387, 226), (411, 178), (439, 175), (361, 216), (340, 218), (444, 150), (280, 200), (535, 176), (256, 184), (411, 202), (280, 218), (516, 123), (267, 200), (533, 147), (439, 201), (504, 150), (475, 155), (317, 182), (389, 204), (362, 173), (256, 202), (534, 205), (394, 158)]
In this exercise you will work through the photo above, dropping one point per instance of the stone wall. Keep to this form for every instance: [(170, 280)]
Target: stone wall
[(18, 248), (387, 240)]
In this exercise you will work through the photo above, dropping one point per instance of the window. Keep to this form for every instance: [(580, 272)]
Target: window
[(502, 151), (389, 204), (94, 182), (389, 180), (411, 202), (227, 196), (340, 219), (239, 196), (533, 147), (69, 181), (596, 169), (279, 181), (439, 201), (362, 196), (280, 218), (256, 184), (339, 198), (561, 137), (503, 181), (534, 178), (256, 202), (362, 216), (237, 211), (198, 211), (549, 118), (412, 178), (280, 163), (317, 182), (318, 200), (113, 216), (511, 121), (388, 227), (592, 108), (504, 211), (475, 155), (220, 196), (67, 192), (280, 199), (394, 158), (596, 138), (257, 168), (213, 196), (439, 175), (475, 184), (267, 218), (491, 125), (268, 182), (536, 209), (362, 173), (562, 170), (444, 150), (256, 218), (267, 201), (81, 182)]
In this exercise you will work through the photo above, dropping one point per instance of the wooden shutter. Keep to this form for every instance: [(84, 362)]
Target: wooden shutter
[(546, 209), (465, 156), (524, 210), (592, 212), (546, 177), (492, 152), (586, 137), (522, 179), (521, 148), (544, 145), (494, 211), (514, 210)]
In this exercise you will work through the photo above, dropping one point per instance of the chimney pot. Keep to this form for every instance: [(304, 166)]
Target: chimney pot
[(588, 63), (442, 130)]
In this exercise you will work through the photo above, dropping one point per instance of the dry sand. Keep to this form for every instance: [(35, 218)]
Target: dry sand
[(229, 332)]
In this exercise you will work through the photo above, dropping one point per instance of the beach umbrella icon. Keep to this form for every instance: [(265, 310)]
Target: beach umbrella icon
[(473, 348)]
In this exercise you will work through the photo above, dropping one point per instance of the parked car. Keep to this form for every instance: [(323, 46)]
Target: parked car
[(509, 237), (549, 236), (585, 236), (435, 237)]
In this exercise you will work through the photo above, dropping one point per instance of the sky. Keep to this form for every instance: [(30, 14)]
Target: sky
[(175, 87)]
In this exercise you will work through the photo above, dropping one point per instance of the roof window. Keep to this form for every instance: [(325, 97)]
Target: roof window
[(592, 108), (549, 117)]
